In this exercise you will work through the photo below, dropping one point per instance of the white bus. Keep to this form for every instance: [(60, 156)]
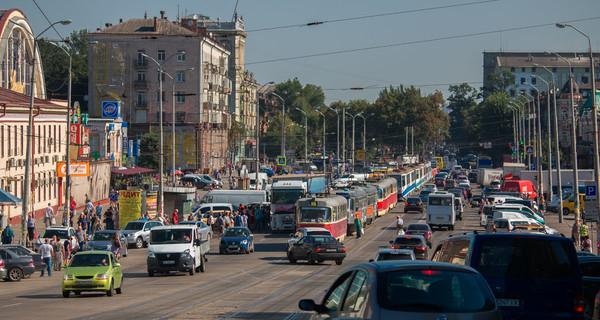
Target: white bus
[(441, 211)]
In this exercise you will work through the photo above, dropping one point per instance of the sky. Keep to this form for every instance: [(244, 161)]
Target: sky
[(361, 44)]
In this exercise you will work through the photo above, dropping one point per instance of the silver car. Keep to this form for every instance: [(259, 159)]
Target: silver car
[(101, 240), (138, 232), (204, 231), (407, 290)]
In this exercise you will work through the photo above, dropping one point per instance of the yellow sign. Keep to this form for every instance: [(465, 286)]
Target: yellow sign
[(360, 155), (78, 169), (151, 204), (130, 206)]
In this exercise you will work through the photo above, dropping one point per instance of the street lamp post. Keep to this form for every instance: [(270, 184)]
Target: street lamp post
[(27, 183), (353, 145), (529, 131), (323, 114), (161, 71), (305, 134), (282, 124), (365, 132), (594, 113), (549, 126), (258, 127), (337, 113), (515, 132), (538, 149)]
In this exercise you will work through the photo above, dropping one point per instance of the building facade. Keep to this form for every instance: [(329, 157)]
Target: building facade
[(123, 67)]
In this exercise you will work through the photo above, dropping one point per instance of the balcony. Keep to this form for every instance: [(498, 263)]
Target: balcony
[(141, 104), (140, 84), (140, 63)]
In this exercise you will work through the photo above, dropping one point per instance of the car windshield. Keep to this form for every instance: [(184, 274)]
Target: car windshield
[(408, 240), (433, 291), (134, 226), (62, 233), (101, 236), (318, 233), (393, 256), (413, 200), (440, 201), (164, 236), (525, 258), (315, 214), (286, 196), (235, 232), (90, 260)]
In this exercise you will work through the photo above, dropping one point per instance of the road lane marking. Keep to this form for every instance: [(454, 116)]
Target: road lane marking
[(11, 305)]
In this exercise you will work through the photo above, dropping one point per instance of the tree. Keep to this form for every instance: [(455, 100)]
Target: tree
[(498, 82), (149, 151), (462, 101)]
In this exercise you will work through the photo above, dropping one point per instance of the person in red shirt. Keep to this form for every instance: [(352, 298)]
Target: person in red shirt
[(175, 217)]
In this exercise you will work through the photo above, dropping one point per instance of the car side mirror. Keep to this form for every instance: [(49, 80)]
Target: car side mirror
[(391, 242), (308, 305), (291, 235), (197, 242), (116, 265)]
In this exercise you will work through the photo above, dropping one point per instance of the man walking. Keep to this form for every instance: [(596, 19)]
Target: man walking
[(47, 252), (576, 234), (7, 235), (48, 215), (358, 224)]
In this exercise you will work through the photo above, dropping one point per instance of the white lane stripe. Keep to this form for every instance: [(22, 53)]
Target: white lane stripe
[(11, 305)]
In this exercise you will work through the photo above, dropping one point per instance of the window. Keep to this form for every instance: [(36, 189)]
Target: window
[(332, 301), (533, 80), (512, 92), (523, 81), (533, 70), (160, 56), (554, 69), (140, 55), (355, 297), (584, 79), (141, 97), (180, 96), (158, 77), (181, 55), (141, 76), (522, 69), (587, 69), (180, 76), (163, 96), (512, 69)]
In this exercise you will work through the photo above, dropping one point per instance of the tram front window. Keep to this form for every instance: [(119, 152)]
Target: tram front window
[(315, 215)]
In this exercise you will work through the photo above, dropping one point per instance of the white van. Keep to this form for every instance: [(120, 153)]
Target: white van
[(525, 210), (235, 197), (176, 248), (441, 211)]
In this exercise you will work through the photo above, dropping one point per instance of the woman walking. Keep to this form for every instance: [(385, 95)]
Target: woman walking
[(59, 253), (67, 250), (54, 243), (115, 245)]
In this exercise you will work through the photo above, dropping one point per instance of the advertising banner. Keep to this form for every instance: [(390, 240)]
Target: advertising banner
[(78, 169), (111, 109), (130, 206), (151, 204)]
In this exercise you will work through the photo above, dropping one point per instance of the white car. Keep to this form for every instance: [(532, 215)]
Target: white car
[(430, 187), (59, 231), (303, 232)]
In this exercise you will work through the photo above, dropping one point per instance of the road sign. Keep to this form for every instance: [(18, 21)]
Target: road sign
[(281, 161), (360, 155), (529, 149), (590, 191)]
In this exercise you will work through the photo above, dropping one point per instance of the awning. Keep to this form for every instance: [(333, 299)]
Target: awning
[(8, 199), (130, 171)]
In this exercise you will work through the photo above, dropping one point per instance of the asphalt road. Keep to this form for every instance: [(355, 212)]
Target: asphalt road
[(260, 285)]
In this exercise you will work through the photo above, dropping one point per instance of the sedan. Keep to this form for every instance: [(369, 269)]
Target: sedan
[(237, 239), (93, 271), (415, 243), (422, 229), (303, 232), (102, 240), (17, 266), (24, 251), (407, 290), (317, 249), (413, 204)]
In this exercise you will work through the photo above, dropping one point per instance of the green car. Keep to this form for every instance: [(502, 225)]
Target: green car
[(93, 271)]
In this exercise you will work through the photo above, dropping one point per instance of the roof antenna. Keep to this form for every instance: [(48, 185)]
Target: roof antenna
[(235, 11)]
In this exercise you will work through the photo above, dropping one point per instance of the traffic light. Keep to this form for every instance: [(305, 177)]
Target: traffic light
[(521, 148)]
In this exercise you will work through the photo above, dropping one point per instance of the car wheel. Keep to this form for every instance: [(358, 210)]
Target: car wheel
[(566, 211), (247, 251), (291, 258), (405, 211), (15, 274), (150, 273), (109, 292), (339, 261), (451, 228), (221, 251), (311, 259), (66, 293), (139, 242), (192, 270), (119, 290), (252, 248), (202, 267)]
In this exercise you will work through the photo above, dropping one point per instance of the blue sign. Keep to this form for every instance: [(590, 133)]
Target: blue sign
[(281, 161), (125, 145), (111, 109), (529, 150), (590, 191), (136, 149)]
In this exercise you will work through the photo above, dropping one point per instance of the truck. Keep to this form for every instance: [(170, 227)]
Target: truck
[(263, 180), (285, 191), (484, 162), (487, 175), (512, 169), (525, 187), (441, 210), (566, 177), (235, 197)]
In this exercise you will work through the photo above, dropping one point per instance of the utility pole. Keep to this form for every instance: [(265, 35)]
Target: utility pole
[(344, 138), (412, 140)]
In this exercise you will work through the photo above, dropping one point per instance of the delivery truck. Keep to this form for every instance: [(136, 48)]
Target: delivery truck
[(487, 175)]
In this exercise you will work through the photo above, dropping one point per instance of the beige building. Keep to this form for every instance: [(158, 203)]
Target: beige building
[(123, 63)]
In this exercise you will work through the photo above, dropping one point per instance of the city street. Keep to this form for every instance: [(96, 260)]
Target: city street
[(261, 285)]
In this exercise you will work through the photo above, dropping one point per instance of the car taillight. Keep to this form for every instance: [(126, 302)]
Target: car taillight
[(430, 272), (1, 263), (31, 262), (320, 250), (394, 246), (406, 204), (342, 249), (420, 248), (428, 234), (578, 303), (408, 232)]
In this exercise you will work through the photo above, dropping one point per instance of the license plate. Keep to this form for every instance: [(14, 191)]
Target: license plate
[(84, 283), (440, 218), (508, 302), (168, 262), (331, 250), (233, 247)]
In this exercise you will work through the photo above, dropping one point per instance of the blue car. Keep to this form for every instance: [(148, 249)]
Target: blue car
[(237, 239), (268, 171)]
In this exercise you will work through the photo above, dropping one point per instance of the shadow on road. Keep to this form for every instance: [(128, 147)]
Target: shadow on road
[(269, 247), (41, 296)]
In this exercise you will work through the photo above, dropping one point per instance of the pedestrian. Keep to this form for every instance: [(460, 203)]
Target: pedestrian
[(72, 205), (89, 206), (115, 243), (108, 219), (67, 249), (46, 251), (8, 234), (80, 234), (258, 219), (175, 217), (82, 222), (57, 257), (576, 234), (99, 210), (220, 223), (238, 220), (584, 232), (48, 215), (230, 182), (30, 228), (358, 225), (586, 244), (399, 224), (209, 220), (159, 217)]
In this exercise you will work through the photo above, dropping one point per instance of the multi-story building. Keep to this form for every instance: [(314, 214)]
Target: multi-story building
[(123, 63)]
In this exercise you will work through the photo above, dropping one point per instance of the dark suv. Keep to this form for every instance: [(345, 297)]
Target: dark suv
[(415, 243), (413, 204), (533, 276)]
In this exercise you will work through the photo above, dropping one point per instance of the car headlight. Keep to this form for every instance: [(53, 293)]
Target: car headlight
[(67, 277), (151, 254), (186, 253), (102, 276), (244, 241)]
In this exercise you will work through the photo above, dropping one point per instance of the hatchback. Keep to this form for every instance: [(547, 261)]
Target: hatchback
[(237, 239), (18, 266), (415, 243), (93, 271), (407, 290), (422, 229), (413, 204)]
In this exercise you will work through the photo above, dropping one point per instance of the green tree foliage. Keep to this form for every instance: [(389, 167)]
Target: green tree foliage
[(491, 121), (461, 102), (56, 67), (498, 82), (149, 151)]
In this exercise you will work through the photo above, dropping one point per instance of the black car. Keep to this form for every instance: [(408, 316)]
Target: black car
[(16, 265), (472, 176), (450, 183), (23, 251), (317, 249), (475, 201), (422, 229), (590, 267), (413, 204), (412, 242)]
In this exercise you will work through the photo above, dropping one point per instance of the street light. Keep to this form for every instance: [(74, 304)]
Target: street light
[(549, 126), (365, 132), (539, 145), (323, 114), (594, 113), (27, 183), (337, 113), (161, 71), (258, 127), (573, 140), (353, 148), (282, 124), (515, 131), (305, 134)]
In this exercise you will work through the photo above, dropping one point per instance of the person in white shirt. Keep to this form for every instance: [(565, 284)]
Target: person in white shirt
[(46, 251), (48, 215), (399, 224)]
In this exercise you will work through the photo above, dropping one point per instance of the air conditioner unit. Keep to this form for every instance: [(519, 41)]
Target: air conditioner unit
[(13, 162), (47, 159)]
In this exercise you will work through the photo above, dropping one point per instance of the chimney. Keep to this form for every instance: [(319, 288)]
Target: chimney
[(155, 24), (162, 14)]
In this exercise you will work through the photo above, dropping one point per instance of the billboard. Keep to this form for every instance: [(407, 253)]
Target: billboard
[(111, 109), (78, 169), (130, 206)]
